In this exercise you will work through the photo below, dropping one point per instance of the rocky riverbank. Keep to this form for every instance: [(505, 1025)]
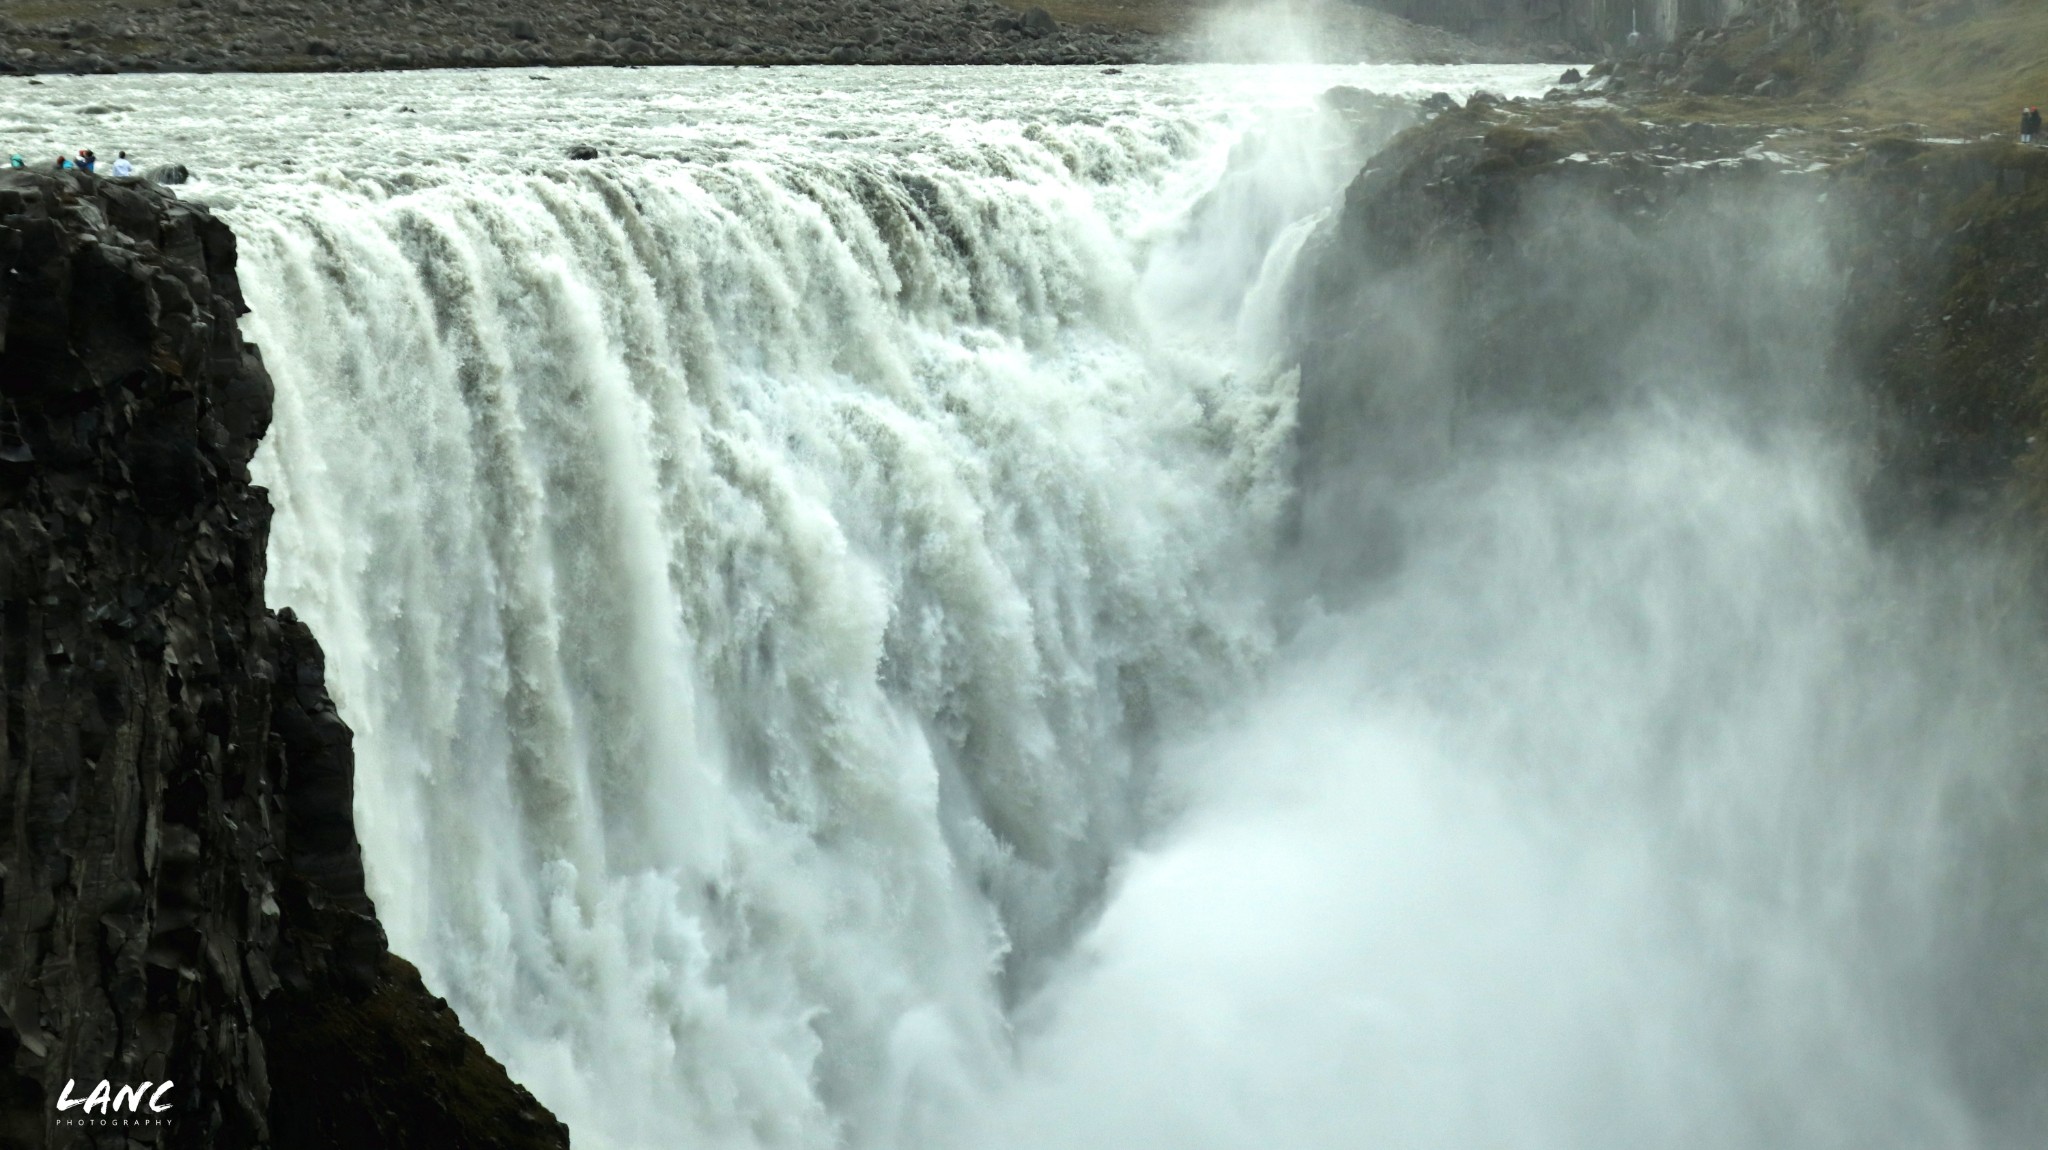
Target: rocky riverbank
[(183, 890), (289, 35), (97, 36), (314, 35)]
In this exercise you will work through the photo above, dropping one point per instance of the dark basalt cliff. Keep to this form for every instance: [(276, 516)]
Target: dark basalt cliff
[(1514, 276), (183, 889), (1540, 255)]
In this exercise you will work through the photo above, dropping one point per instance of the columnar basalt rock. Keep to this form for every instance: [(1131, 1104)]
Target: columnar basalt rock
[(1609, 24), (183, 889)]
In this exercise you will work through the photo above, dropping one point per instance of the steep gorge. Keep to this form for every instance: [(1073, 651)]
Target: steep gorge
[(1672, 406), (1516, 275)]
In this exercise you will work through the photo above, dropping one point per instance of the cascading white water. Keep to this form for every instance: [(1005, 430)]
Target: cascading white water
[(791, 576), (754, 582), (758, 565)]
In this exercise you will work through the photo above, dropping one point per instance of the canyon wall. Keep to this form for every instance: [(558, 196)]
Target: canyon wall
[(1935, 342), (1603, 24), (184, 909), (1571, 282)]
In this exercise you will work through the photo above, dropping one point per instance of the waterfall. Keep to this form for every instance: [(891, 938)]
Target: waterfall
[(759, 588), (861, 634)]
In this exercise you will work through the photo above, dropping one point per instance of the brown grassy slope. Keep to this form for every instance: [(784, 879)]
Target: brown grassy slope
[(1963, 66)]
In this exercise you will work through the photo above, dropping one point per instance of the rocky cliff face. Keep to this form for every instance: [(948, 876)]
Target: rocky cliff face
[(183, 896), (1516, 273), (1533, 253), (1606, 23)]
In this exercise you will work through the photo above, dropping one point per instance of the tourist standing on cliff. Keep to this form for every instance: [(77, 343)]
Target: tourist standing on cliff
[(2030, 125), (121, 166)]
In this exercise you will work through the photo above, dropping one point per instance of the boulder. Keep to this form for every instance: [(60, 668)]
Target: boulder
[(584, 152), (1039, 23)]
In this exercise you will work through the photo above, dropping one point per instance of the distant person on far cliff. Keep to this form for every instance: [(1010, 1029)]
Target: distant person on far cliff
[(2030, 125), (86, 159), (122, 167), (15, 161), (63, 163)]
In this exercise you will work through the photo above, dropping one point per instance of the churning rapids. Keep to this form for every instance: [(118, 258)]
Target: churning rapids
[(808, 587)]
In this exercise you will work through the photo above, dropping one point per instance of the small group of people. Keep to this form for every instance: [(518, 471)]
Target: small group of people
[(2030, 125), (85, 162)]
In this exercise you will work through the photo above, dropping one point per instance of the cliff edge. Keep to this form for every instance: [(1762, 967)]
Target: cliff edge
[(182, 909), (1575, 243)]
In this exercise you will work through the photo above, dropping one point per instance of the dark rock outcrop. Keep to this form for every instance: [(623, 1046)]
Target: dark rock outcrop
[(1522, 276), (1501, 260), (1517, 262), (1948, 296), (183, 890), (1518, 273)]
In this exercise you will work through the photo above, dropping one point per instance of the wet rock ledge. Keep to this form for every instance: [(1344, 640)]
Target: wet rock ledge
[(181, 888)]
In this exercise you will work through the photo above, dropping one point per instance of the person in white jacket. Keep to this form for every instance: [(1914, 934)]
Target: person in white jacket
[(122, 167)]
